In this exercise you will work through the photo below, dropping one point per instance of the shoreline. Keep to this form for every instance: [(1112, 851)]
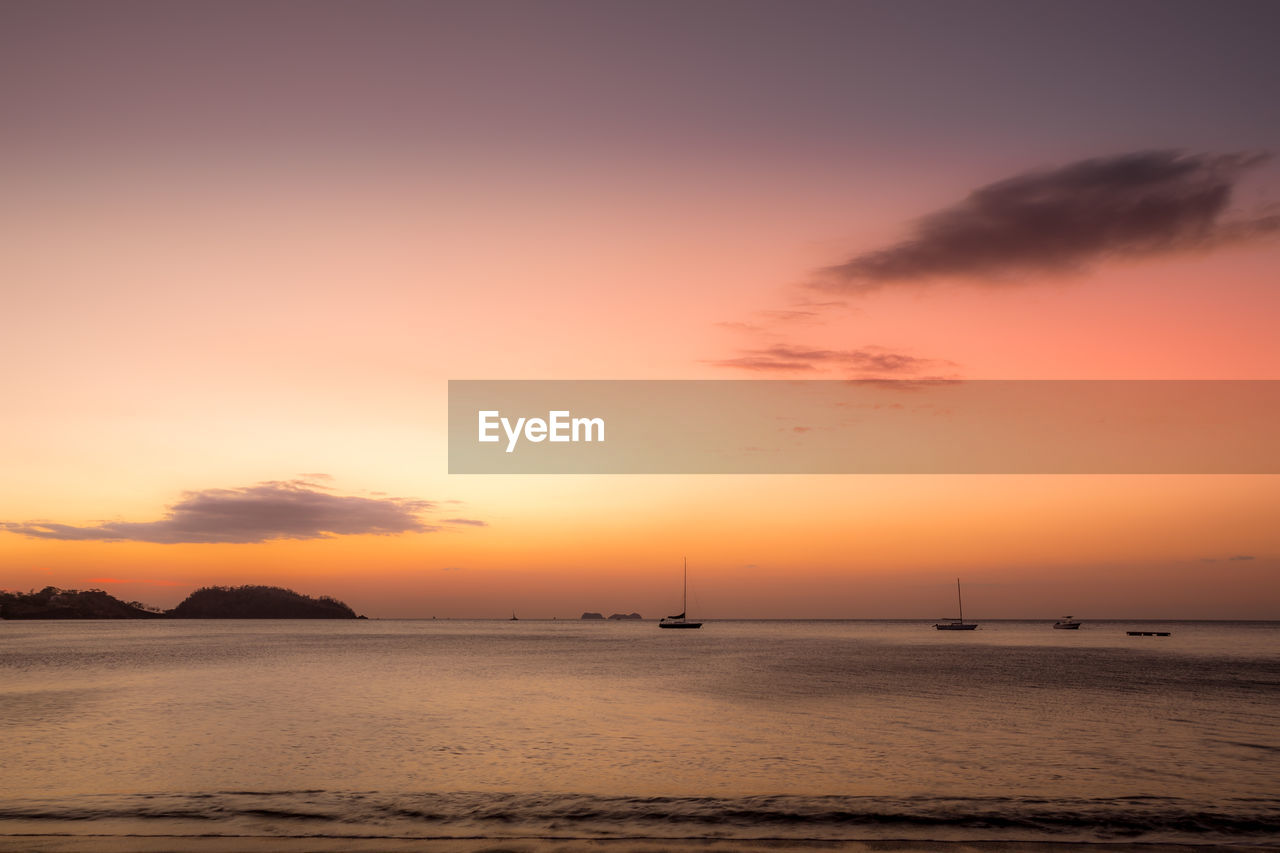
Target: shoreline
[(129, 843)]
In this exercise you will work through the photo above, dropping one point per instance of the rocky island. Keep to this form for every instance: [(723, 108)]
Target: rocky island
[(214, 602)]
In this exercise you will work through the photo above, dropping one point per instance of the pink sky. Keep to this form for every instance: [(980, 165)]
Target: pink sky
[(243, 243)]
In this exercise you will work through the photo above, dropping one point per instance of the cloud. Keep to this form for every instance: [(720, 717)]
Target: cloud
[(1059, 220), (737, 326), (290, 509), (474, 522), (783, 358), (1241, 557), (788, 315)]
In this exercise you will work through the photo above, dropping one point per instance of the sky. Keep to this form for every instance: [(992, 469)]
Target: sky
[(245, 246)]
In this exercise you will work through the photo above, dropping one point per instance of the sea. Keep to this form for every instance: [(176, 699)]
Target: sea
[(353, 734)]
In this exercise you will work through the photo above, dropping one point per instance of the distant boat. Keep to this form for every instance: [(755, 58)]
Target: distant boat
[(957, 624), (680, 621), (1067, 622), (513, 617)]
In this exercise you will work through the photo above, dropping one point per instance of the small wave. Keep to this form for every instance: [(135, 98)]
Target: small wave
[(1262, 747), (382, 814)]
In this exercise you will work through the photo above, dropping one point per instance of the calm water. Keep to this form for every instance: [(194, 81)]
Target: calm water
[(807, 730)]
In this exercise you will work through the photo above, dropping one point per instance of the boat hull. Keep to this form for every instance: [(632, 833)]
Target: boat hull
[(679, 624)]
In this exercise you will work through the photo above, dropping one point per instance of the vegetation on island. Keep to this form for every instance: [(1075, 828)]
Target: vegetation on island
[(258, 602), (213, 602), (54, 603)]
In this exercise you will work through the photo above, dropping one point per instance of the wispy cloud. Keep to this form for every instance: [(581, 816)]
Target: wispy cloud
[(784, 358), (738, 326), (472, 522), (289, 509), (794, 315), (1060, 220)]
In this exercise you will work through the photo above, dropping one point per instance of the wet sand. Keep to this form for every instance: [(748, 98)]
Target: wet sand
[(264, 844)]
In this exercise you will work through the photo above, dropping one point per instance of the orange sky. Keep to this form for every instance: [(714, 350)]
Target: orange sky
[(219, 276)]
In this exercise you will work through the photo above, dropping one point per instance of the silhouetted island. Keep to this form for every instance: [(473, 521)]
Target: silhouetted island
[(626, 616), (258, 602), (54, 603), (591, 615), (212, 602)]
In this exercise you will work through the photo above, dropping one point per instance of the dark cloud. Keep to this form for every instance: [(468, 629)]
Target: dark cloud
[(783, 358), (1146, 203), (291, 509), (474, 522)]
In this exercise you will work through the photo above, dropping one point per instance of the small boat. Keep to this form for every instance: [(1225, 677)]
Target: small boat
[(513, 617), (1067, 622), (680, 621), (956, 624)]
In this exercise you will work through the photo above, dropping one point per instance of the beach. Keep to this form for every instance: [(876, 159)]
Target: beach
[(257, 844)]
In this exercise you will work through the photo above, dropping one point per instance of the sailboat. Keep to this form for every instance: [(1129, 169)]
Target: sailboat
[(1067, 622), (957, 624), (680, 621)]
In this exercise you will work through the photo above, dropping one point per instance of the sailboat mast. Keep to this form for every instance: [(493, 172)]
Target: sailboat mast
[(959, 600), (684, 600)]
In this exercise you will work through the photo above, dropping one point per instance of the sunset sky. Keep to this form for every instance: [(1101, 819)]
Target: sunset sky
[(244, 246)]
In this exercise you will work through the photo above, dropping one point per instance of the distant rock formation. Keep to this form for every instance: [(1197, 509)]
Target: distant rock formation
[(216, 602), (626, 616), (258, 602), (54, 603), (590, 615)]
